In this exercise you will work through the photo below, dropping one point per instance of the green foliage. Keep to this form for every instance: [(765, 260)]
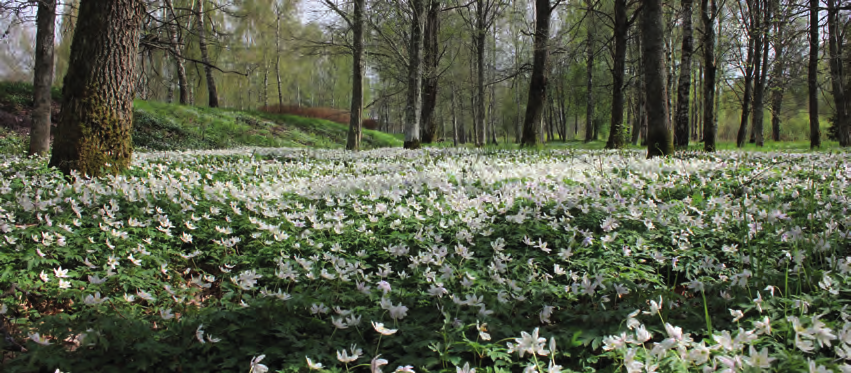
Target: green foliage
[(11, 143)]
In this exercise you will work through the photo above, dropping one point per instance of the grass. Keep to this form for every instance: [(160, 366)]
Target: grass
[(162, 126)]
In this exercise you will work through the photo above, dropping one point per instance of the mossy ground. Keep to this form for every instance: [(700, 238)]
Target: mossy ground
[(163, 126)]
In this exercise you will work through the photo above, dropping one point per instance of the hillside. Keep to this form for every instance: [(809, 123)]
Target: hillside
[(163, 126)]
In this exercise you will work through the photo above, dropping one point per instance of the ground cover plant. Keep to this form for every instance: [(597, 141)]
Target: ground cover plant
[(255, 260)]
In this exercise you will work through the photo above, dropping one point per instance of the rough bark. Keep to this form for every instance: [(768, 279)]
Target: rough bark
[(538, 80), (414, 102), (708, 10), (93, 135), (681, 128), (659, 137), (837, 78), (589, 99), (430, 73), (213, 95), (356, 115), (43, 77), (479, 38), (762, 77), (812, 76), (616, 134), (778, 78)]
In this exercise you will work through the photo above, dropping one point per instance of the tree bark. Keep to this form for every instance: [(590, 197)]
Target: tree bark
[(812, 76), (837, 77), (589, 108), (709, 9), (430, 74), (43, 78), (681, 129), (356, 115), (762, 77), (616, 134), (659, 137), (538, 80), (413, 106), (278, 56), (213, 99), (94, 132)]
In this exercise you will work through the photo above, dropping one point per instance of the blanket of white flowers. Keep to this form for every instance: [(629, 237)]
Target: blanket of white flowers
[(256, 260)]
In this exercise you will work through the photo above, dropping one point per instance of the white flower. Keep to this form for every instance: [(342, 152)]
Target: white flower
[(465, 369), (379, 327), (405, 369), (35, 337), (256, 367), (737, 315), (483, 328), (93, 300), (199, 334), (64, 284), (44, 276), (345, 358), (59, 272), (312, 365), (376, 363), (760, 359), (167, 314), (529, 343)]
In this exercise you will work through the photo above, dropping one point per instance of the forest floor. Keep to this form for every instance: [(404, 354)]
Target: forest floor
[(160, 126)]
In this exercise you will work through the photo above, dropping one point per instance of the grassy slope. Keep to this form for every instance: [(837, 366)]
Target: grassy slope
[(162, 126)]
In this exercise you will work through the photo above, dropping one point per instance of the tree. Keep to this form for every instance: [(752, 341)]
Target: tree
[(538, 82), (708, 10), (812, 76), (617, 138), (93, 135), (681, 128), (43, 77), (837, 76), (414, 102), (589, 62), (174, 37), (431, 59), (356, 115), (751, 18), (659, 138), (213, 99)]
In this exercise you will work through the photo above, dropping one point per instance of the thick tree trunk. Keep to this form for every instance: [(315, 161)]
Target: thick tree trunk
[(430, 73), (837, 77), (659, 137), (681, 128), (708, 9), (43, 78), (213, 94), (589, 108), (616, 134), (93, 136), (479, 39), (778, 77), (812, 76), (356, 115), (753, 48), (762, 77), (413, 106), (538, 80)]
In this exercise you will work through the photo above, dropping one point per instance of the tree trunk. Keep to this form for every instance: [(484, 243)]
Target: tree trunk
[(413, 106), (778, 77), (753, 61), (659, 137), (708, 9), (538, 80), (589, 108), (812, 76), (356, 115), (616, 135), (759, 87), (278, 58), (454, 117), (430, 74), (479, 39), (94, 132), (205, 56), (641, 94), (43, 78), (837, 77), (182, 84), (681, 129)]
